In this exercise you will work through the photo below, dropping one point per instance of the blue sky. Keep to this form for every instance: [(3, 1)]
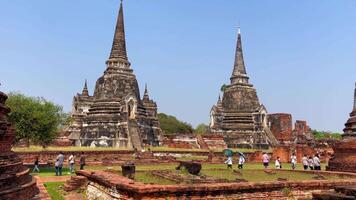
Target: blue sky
[(300, 55)]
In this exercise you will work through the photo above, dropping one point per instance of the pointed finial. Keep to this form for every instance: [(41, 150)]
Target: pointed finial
[(238, 30), (219, 97), (85, 89)]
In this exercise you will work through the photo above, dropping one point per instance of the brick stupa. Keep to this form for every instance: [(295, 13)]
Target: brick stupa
[(345, 151), (15, 181), (115, 115), (239, 116)]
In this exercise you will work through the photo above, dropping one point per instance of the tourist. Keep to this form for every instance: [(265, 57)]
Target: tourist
[(229, 162), (305, 162), (36, 167), (241, 162), (71, 163), (265, 160), (293, 160), (59, 164), (311, 163), (316, 161), (82, 161), (278, 163)]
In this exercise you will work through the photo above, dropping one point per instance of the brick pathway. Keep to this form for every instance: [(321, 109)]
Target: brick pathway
[(43, 192)]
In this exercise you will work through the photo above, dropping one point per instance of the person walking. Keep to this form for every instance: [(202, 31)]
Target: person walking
[(229, 162), (311, 163), (71, 163), (241, 162), (36, 167), (82, 161), (293, 160), (265, 160), (278, 163), (305, 162), (316, 161), (59, 164)]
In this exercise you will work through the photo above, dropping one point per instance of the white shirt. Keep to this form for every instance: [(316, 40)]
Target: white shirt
[(241, 160), (293, 159), (305, 161), (278, 164), (316, 161), (71, 159), (229, 161)]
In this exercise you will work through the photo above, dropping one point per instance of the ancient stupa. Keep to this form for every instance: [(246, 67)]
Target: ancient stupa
[(345, 151), (239, 116), (15, 181), (115, 115)]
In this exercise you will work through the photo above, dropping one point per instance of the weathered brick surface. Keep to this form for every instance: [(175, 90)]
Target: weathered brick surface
[(116, 187), (281, 126), (15, 181)]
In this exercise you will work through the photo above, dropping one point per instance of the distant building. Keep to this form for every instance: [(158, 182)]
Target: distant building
[(239, 116), (350, 125), (115, 115)]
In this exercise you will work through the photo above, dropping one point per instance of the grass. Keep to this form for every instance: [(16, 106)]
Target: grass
[(145, 177), (50, 172), (161, 149), (261, 176), (54, 190)]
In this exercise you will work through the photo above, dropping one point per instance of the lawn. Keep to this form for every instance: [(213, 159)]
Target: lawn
[(33, 148), (54, 190), (50, 172)]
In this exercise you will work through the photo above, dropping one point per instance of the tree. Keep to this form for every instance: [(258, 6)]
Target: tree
[(34, 118), (326, 134), (201, 129), (171, 125)]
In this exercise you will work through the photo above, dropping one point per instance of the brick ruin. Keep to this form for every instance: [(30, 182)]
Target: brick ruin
[(281, 125), (194, 141), (15, 181), (108, 185), (115, 115), (345, 151), (239, 116)]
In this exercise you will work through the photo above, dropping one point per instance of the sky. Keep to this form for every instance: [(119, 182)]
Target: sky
[(300, 55)]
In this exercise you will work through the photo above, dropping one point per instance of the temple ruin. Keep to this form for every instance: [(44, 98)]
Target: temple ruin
[(239, 116), (15, 179), (115, 115), (344, 158)]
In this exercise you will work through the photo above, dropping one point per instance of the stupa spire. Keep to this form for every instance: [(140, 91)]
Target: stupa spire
[(118, 49), (239, 74), (355, 99), (145, 95), (85, 91)]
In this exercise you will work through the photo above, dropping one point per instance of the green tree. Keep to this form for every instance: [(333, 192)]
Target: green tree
[(326, 134), (35, 119), (171, 125), (201, 129)]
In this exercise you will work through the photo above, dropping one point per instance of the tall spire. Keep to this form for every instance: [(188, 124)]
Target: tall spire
[(355, 99), (85, 89), (118, 49), (239, 74), (145, 95)]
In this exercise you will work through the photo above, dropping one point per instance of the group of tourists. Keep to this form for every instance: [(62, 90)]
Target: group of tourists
[(60, 162), (309, 162)]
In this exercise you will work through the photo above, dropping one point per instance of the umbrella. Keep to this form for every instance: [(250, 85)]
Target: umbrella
[(242, 154), (228, 152)]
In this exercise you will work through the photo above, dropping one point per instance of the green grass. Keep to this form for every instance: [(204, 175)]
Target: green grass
[(261, 176), (145, 177), (54, 190), (50, 172), (162, 149)]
